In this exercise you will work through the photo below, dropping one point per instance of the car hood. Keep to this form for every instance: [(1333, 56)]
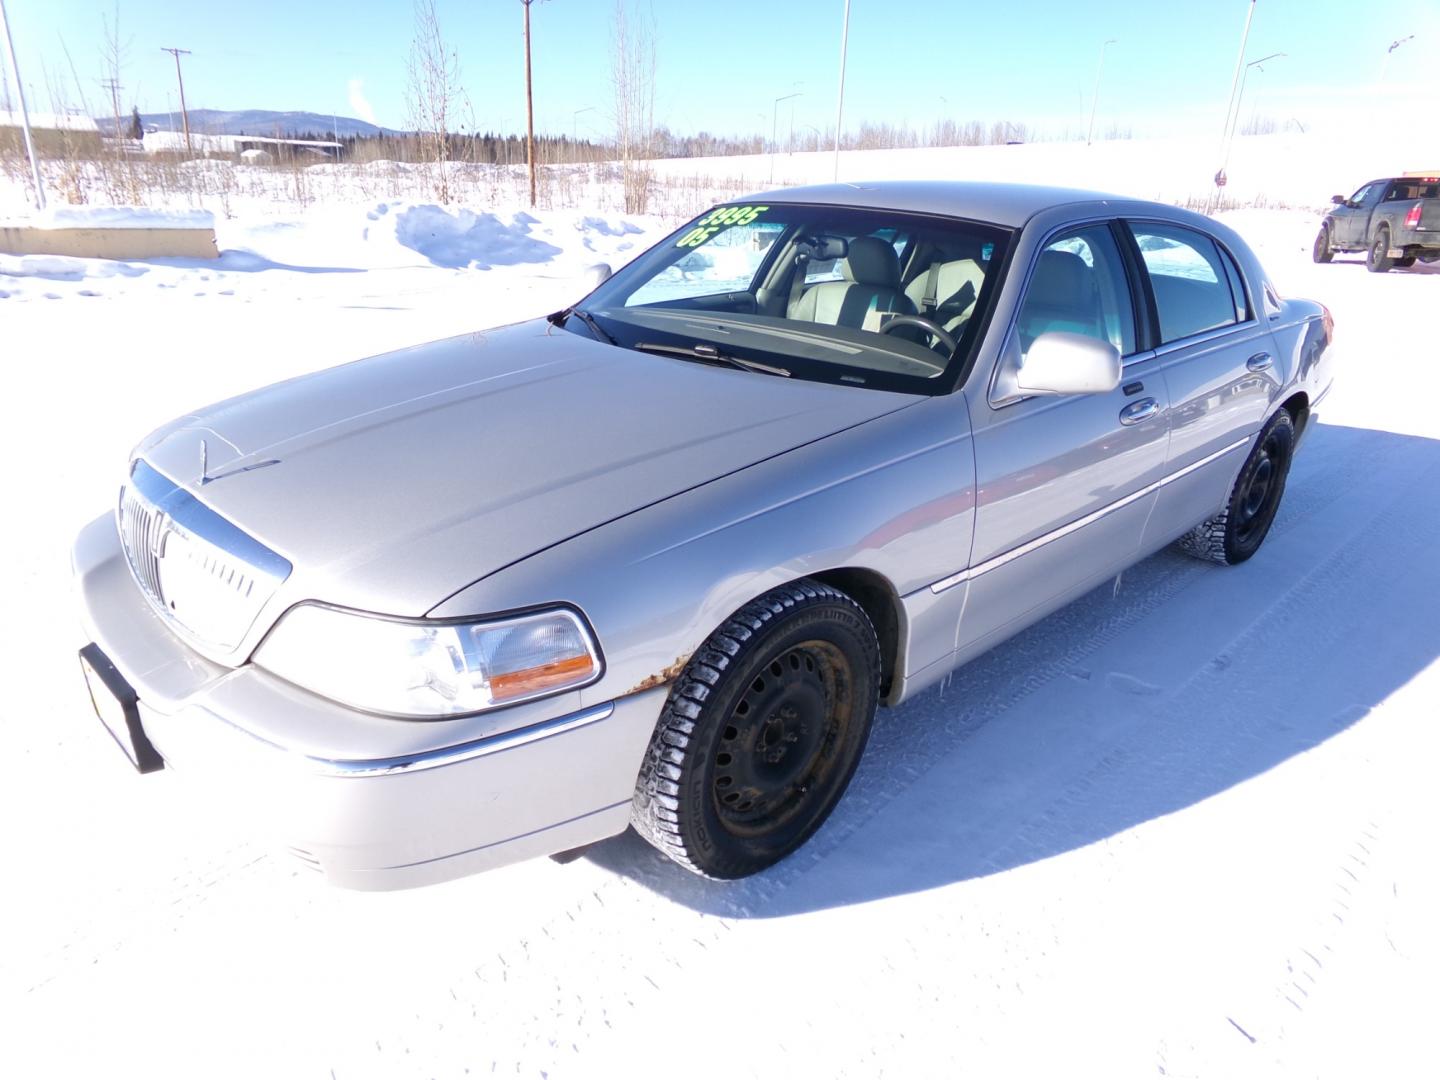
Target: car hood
[(392, 482)]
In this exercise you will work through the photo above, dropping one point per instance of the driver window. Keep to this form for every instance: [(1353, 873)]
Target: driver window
[(1359, 197), (1079, 286)]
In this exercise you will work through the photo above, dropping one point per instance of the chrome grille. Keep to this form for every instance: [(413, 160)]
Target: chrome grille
[(197, 569), (140, 527)]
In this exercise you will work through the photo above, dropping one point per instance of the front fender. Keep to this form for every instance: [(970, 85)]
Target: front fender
[(894, 497)]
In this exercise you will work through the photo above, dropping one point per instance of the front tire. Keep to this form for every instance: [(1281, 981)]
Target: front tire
[(1237, 532), (1322, 252), (761, 733), (1378, 260)]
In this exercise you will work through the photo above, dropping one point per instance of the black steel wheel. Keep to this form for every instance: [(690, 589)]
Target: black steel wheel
[(1378, 261), (761, 733), (1237, 532), (1322, 252)]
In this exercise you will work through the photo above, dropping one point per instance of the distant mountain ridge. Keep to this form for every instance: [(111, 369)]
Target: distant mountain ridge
[(265, 122)]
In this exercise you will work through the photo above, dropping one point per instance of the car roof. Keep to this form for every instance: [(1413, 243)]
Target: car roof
[(1001, 204)]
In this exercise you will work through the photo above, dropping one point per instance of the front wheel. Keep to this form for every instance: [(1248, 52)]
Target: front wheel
[(1322, 252), (761, 733), (1378, 261), (1237, 532)]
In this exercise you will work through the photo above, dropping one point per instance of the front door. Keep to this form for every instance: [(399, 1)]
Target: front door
[(1064, 483)]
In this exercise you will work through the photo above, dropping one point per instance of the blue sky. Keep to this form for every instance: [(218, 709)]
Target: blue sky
[(721, 65)]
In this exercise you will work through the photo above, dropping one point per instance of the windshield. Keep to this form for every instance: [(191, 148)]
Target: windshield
[(870, 298)]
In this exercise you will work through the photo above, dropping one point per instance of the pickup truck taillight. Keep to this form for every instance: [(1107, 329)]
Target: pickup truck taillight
[(1412, 219)]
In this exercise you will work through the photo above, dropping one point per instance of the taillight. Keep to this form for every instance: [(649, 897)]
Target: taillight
[(1327, 323), (1412, 219)]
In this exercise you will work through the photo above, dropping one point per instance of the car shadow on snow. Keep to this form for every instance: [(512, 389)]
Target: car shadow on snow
[(1139, 700)]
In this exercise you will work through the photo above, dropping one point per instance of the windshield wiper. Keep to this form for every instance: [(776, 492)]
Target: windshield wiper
[(711, 354), (559, 317)]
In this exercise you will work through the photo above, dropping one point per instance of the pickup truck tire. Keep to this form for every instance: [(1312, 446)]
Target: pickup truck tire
[(1237, 532), (1378, 260), (761, 733), (1407, 262), (1322, 252)]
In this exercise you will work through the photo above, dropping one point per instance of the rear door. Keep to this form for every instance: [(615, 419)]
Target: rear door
[(1218, 361), (1064, 483)]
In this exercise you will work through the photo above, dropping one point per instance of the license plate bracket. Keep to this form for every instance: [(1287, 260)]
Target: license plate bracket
[(118, 707)]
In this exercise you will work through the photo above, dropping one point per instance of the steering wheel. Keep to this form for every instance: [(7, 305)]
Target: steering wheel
[(931, 327)]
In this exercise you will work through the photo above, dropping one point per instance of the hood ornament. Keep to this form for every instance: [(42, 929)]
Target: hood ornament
[(206, 478)]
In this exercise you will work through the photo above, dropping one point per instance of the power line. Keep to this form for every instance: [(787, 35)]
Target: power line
[(184, 115)]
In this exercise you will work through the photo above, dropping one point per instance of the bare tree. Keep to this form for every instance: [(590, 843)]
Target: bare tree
[(433, 92), (633, 81)]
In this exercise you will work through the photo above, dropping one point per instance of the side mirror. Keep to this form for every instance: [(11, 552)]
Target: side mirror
[(1338, 200), (1063, 363), (597, 275)]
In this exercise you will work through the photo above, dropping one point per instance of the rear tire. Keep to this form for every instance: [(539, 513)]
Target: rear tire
[(1237, 532), (1378, 260), (761, 733), (1322, 252)]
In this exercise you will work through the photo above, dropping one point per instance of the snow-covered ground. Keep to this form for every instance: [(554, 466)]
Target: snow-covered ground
[(1182, 828)]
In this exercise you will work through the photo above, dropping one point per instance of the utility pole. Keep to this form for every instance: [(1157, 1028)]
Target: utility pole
[(184, 115), (529, 106), (1095, 97), (840, 100), (114, 88), (24, 111)]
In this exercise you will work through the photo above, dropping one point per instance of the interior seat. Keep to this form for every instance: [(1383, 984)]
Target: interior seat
[(1063, 295), (871, 289), (946, 292)]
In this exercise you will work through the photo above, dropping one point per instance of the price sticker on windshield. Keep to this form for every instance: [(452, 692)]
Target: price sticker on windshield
[(719, 219)]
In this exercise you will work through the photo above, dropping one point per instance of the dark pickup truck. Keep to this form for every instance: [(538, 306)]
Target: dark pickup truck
[(1394, 221)]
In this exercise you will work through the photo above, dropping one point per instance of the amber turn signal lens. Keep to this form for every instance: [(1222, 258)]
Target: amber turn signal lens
[(535, 680)]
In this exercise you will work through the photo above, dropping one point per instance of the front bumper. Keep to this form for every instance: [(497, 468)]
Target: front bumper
[(374, 803)]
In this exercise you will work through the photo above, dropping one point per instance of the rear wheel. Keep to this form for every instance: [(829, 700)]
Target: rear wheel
[(1378, 260), (1237, 532), (761, 733), (1322, 252)]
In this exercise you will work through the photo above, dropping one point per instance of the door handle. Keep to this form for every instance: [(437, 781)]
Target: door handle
[(1261, 361), (1140, 411)]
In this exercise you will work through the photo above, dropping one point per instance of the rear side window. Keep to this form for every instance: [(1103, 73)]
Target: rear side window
[(1195, 289)]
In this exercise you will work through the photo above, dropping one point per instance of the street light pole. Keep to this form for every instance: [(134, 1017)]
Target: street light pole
[(774, 128), (24, 112), (1230, 106), (575, 122), (840, 99), (1239, 99), (1095, 97), (1385, 64)]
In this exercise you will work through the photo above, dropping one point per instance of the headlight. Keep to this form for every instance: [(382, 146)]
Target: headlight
[(419, 668)]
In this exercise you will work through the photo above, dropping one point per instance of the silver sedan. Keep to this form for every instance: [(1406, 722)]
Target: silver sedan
[(656, 559)]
